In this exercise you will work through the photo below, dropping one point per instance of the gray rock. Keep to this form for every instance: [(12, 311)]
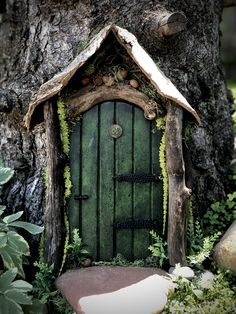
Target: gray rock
[(185, 272), (225, 250)]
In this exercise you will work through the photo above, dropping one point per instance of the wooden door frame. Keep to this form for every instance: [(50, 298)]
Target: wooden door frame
[(86, 98), (178, 193)]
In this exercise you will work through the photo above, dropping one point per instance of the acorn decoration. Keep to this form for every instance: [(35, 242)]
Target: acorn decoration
[(87, 262), (133, 83), (121, 74), (85, 81), (98, 81), (108, 80)]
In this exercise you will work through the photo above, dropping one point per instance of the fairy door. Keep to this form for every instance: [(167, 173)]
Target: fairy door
[(117, 195)]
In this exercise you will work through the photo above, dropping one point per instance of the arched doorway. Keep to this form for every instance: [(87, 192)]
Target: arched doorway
[(113, 213)]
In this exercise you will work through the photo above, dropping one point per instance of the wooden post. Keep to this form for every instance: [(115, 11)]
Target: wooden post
[(54, 194), (171, 23), (166, 23), (178, 192)]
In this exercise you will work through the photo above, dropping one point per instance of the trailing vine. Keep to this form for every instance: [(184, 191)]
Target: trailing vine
[(64, 129), (190, 218), (160, 123), (64, 133)]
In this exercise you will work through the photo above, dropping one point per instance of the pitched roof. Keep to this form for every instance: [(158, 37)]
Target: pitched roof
[(156, 77)]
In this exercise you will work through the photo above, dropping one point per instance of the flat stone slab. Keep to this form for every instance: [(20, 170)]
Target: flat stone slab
[(106, 290)]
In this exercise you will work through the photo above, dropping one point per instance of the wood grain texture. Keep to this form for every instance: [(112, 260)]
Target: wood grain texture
[(96, 157), (54, 193), (141, 160), (106, 184), (85, 99), (89, 177), (124, 191), (178, 192)]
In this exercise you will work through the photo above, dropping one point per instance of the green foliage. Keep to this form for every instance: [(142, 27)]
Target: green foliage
[(190, 228), (68, 183), (147, 89), (162, 159), (204, 249), (76, 253), (64, 129), (41, 248), (66, 243), (160, 123), (120, 260), (44, 289), (13, 294), (215, 297), (83, 45), (220, 215), (5, 175), (12, 245), (195, 238), (158, 248), (232, 175), (232, 87), (91, 68), (45, 176)]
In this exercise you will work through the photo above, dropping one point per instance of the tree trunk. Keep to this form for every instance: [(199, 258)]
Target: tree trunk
[(39, 38)]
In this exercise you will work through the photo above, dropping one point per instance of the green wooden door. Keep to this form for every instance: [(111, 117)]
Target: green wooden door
[(96, 157)]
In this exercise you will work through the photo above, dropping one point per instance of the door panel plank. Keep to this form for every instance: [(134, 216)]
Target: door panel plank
[(95, 159), (141, 158), (75, 154), (156, 189), (106, 184), (89, 179), (123, 155)]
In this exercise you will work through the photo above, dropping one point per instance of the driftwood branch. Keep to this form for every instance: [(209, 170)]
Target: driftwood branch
[(54, 193), (86, 99), (178, 192)]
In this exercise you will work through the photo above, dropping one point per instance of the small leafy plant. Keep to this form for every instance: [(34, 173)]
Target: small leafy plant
[(200, 246), (13, 294), (158, 248), (221, 215), (76, 253), (195, 237), (204, 250), (12, 245), (44, 290), (215, 296)]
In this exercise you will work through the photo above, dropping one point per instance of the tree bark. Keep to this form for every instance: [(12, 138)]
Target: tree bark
[(54, 193), (39, 38), (178, 192)]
